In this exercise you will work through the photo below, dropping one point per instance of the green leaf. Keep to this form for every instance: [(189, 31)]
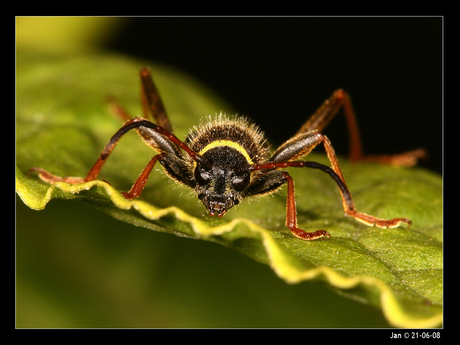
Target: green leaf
[(62, 124)]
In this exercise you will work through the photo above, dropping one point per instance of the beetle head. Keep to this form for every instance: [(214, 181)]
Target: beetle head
[(221, 185)]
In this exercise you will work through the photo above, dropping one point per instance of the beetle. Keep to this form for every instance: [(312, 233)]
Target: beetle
[(228, 159)]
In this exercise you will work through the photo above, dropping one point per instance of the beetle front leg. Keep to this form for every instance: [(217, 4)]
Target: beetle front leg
[(139, 185), (291, 214)]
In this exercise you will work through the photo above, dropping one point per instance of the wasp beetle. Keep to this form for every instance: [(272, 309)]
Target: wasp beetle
[(228, 158)]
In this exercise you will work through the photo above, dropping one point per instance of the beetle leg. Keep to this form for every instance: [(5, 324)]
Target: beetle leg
[(326, 112), (139, 185), (94, 172), (151, 100), (134, 192), (291, 214), (304, 146), (50, 178), (347, 200), (117, 109), (304, 143)]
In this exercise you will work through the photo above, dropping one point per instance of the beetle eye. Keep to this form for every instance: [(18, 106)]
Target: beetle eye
[(240, 182), (202, 176)]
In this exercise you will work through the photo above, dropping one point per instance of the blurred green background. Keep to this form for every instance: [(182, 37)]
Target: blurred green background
[(77, 267)]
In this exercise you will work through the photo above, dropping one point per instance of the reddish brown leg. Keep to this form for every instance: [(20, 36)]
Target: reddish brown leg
[(151, 100), (326, 112), (94, 172), (347, 200), (348, 204), (291, 215), (134, 192), (405, 159), (139, 185), (50, 178), (118, 110)]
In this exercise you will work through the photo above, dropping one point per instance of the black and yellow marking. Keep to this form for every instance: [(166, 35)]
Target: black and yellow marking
[(233, 132), (227, 143)]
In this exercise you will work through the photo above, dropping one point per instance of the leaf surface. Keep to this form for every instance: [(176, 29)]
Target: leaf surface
[(62, 124)]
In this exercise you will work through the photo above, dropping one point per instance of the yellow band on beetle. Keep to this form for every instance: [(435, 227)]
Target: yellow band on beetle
[(228, 143)]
